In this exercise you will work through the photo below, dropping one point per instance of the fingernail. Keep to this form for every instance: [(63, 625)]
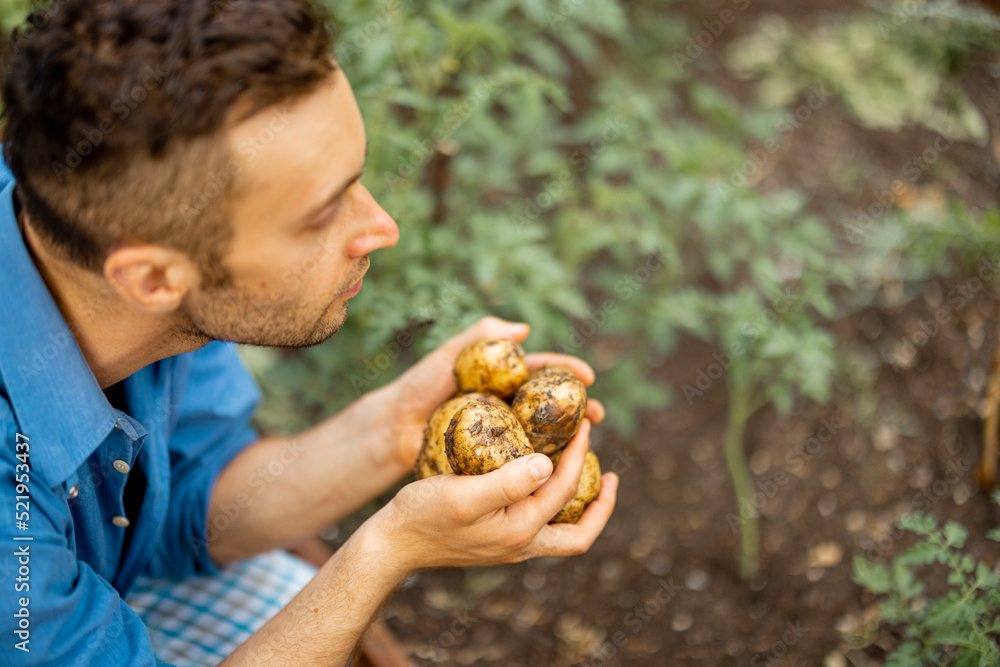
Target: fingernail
[(540, 466)]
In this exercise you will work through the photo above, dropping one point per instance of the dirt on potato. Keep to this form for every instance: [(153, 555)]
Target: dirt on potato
[(551, 410), (482, 437), (586, 492), (433, 459)]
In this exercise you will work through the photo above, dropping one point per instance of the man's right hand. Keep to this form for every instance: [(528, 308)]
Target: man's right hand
[(499, 517), (448, 520)]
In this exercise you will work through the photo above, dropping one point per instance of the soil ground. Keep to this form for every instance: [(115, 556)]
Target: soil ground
[(661, 586)]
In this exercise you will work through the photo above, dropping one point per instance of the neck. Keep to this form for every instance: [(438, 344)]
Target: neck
[(116, 340)]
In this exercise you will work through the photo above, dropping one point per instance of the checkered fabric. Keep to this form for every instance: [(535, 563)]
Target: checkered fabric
[(198, 621)]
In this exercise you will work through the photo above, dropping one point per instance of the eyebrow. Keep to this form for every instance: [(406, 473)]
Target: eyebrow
[(310, 217)]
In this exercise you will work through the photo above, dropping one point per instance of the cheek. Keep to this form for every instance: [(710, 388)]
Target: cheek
[(321, 260)]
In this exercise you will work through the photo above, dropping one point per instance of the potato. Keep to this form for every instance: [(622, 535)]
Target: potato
[(492, 367), (425, 468), (482, 437), (551, 410), (588, 489), (432, 460), (548, 371)]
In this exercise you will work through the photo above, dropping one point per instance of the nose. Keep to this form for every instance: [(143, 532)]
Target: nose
[(378, 229)]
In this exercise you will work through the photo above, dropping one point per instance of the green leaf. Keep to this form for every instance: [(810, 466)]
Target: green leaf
[(919, 523), (921, 553), (873, 576), (955, 534), (905, 655), (905, 582), (986, 577), (968, 563)]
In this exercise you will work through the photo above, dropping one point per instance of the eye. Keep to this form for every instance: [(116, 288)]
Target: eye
[(327, 215)]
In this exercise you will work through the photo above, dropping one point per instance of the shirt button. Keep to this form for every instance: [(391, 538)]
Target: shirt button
[(117, 425), (74, 491), (120, 521), (121, 466)]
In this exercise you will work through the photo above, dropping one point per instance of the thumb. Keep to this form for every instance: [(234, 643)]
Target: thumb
[(512, 483), (487, 327), (431, 377)]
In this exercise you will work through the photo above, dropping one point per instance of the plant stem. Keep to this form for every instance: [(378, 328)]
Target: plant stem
[(987, 472), (739, 412)]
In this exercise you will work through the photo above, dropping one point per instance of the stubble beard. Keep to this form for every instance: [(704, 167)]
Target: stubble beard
[(235, 316)]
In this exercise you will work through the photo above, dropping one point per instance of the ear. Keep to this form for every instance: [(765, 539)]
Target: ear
[(151, 278)]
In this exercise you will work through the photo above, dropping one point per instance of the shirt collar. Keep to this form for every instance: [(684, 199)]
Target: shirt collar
[(57, 400)]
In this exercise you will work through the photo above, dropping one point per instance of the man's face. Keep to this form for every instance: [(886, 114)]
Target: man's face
[(303, 225)]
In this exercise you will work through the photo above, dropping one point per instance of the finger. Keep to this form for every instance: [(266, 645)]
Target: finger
[(487, 327), (598, 512), (433, 376), (508, 485), (580, 368), (572, 539), (564, 482), (595, 411)]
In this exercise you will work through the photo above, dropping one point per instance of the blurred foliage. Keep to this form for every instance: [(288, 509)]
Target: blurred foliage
[(505, 151), (890, 69), (585, 179), (565, 165), (958, 628), (12, 12)]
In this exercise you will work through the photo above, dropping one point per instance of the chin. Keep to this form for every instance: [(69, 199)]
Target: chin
[(332, 321)]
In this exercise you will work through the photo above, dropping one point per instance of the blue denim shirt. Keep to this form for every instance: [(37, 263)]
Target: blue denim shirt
[(62, 571)]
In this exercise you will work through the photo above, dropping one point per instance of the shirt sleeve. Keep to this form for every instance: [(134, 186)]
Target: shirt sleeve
[(213, 425), (54, 610)]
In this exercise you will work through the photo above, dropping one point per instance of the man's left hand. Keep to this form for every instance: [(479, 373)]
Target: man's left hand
[(423, 388)]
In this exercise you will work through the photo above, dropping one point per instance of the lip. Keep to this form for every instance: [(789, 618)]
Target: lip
[(353, 291)]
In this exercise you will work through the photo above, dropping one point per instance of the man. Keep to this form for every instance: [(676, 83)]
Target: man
[(183, 173)]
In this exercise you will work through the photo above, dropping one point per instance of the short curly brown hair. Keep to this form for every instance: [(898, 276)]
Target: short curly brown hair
[(113, 113)]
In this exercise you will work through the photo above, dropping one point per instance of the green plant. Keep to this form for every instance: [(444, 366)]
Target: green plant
[(890, 68), (501, 183), (551, 163), (962, 627), (774, 293), (13, 12)]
